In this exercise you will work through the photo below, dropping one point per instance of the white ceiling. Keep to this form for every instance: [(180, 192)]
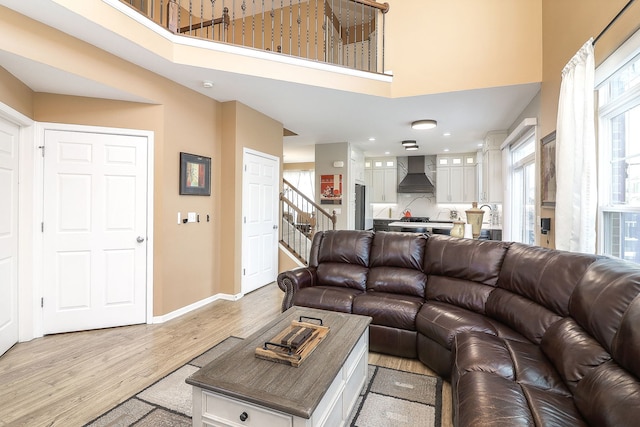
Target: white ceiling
[(317, 115)]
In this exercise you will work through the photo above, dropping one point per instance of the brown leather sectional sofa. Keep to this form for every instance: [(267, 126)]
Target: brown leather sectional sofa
[(528, 336)]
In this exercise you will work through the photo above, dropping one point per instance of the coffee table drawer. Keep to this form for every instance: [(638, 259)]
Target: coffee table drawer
[(232, 412)]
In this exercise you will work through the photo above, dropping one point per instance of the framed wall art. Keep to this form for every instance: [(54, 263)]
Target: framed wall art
[(331, 189), (195, 175), (548, 169)]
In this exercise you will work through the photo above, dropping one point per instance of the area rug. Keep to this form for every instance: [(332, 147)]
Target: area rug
[(389, 398)]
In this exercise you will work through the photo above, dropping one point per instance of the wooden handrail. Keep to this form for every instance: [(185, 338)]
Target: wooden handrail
[(311, 202), (384, 7), (224, 19)]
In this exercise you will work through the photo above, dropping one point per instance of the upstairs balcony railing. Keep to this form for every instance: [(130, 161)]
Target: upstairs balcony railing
[(349, 33)]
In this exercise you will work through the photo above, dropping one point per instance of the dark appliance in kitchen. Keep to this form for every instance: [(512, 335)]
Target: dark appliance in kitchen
[(421, 219), (360, 206)]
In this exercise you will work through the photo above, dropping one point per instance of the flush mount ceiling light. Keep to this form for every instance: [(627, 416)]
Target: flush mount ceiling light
[(207, 84), (424, 124), (409, 143), (411, 148)]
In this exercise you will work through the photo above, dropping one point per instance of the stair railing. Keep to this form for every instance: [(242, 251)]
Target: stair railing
[(342, 32), (301, 219)]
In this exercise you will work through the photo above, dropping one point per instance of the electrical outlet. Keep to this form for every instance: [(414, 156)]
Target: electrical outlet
[(191, 217), (179, 218)]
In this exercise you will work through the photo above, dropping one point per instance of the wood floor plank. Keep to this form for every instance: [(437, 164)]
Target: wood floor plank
[(70, 379)]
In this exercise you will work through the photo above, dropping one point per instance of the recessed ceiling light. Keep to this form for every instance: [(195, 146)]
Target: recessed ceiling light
[(424, 124), (411, 148), (387, 152), (207, 84), (446, 134), (372, 139), (480, 144), (446, 150), (409, 142)]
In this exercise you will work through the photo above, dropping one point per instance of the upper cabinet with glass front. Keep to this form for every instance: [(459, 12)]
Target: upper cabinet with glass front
[(381, 176), (457, 178)]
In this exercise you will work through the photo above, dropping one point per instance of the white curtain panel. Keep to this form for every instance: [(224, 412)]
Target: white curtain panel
[(576, 197)]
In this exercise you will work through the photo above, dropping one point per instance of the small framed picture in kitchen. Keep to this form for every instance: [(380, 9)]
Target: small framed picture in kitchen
[(331, 189), (195, 175)]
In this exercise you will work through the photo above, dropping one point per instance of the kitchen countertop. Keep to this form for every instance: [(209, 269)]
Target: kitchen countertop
[(485, 226)]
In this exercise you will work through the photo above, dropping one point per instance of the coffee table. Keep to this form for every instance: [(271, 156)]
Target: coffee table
[(239, 389)]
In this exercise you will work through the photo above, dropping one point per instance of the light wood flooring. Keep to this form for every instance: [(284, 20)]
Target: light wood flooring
[(70, 379)]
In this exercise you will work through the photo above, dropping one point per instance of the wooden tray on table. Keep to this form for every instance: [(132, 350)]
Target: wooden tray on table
[(295, 343)]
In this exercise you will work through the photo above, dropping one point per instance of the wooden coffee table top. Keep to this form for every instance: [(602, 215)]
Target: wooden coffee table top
[(296, 391)]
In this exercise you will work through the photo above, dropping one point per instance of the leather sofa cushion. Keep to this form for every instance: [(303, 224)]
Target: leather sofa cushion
[(518, 361), (442, 322), (342, 275), (392, 249), (345, 246), (602, 298), (462, 293), (394, 341), (626, 345), (520, 313), (486, 399), (572, 351), (609, 396), (326, 298), (468, 259), (542, 275), (386, 309), (397, 280)]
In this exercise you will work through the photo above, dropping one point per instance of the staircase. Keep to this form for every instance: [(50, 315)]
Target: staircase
[(301, 219)]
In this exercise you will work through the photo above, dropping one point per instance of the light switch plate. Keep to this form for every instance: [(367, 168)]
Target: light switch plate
[(191, 217), (179, 218)]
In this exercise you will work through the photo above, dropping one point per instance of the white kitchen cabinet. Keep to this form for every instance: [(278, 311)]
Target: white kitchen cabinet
[(456, 179), (381, 175), (491, 190)]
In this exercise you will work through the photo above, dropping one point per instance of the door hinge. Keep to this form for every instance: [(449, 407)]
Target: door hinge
[(244, 271), (244, 219), (42, 302), (42, 227), (41, 147)]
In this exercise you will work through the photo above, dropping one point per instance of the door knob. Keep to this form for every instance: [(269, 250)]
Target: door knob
[(140, 239), (275, 227)]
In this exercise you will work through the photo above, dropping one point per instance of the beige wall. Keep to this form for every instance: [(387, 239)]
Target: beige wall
[(242, 128), (439, 46), (182, 120)]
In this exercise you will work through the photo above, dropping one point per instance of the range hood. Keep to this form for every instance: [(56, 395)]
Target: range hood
[(416, 180)]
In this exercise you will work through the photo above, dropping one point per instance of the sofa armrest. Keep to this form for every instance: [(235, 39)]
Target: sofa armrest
[(292, 280)]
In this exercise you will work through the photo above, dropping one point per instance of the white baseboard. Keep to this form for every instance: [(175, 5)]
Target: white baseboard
[(184, 310)]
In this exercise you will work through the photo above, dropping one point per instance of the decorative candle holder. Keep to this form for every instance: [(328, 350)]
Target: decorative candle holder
[(474, 217)]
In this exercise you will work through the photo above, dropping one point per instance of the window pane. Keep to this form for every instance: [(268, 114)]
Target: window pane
[(523, 150), (625, 157), (529, 219), (623, 80), (622, 234)]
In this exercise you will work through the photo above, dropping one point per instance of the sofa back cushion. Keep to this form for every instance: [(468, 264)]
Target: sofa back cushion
[(396, 263), (341, 258), (606, 303), (345, 246), (404, 250), (475, 260), (544, 276), (462, 272), (534, 288)]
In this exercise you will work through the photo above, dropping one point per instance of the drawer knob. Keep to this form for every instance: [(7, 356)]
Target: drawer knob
[(244, 416)]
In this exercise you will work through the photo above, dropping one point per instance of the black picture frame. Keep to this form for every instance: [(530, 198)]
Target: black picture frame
[(195, 175)]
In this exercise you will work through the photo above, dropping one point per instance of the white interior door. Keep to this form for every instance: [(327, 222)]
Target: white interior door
[(95, 229), (260, 225), (9, 138)]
